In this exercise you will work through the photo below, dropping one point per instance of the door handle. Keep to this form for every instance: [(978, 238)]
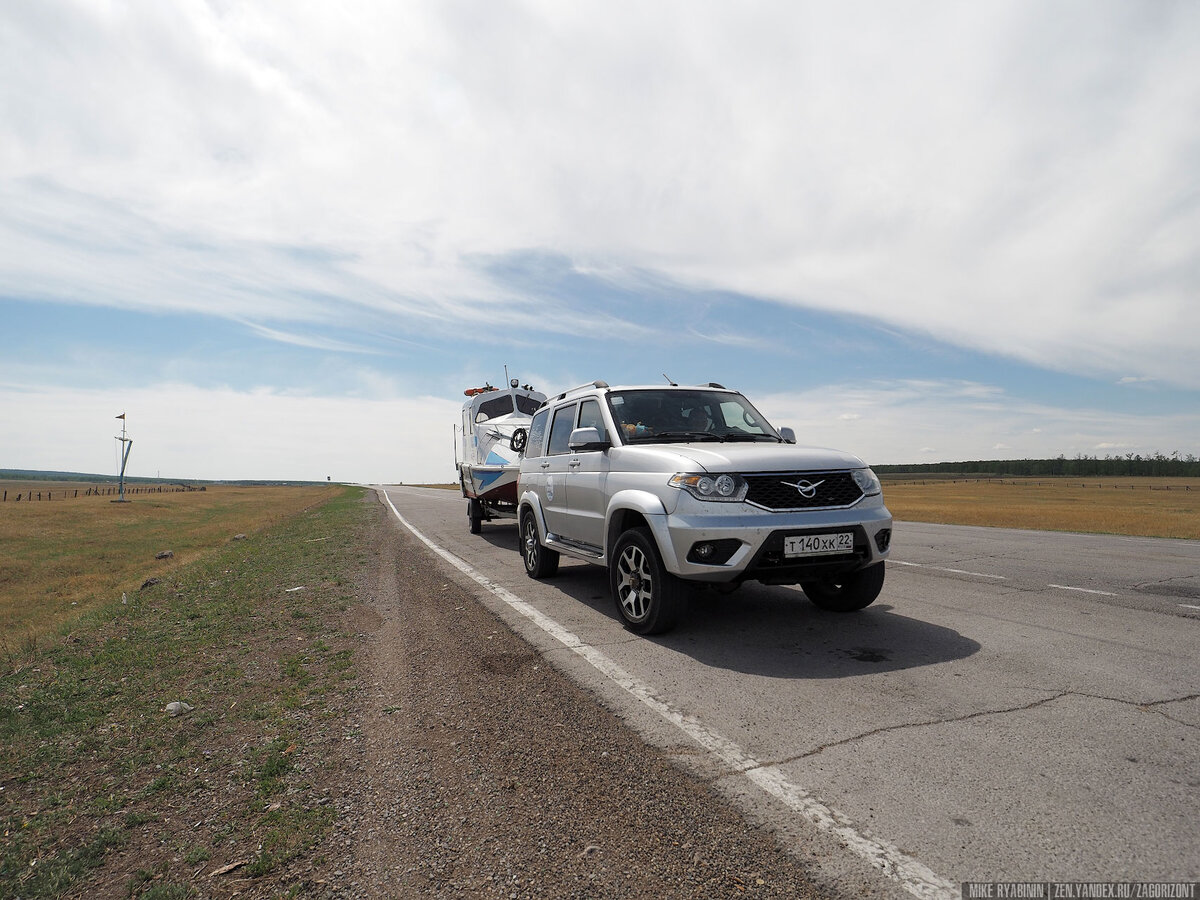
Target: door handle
[(575, 463), (546, 465)]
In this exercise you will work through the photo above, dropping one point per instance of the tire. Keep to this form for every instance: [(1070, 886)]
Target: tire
[(649, 599), (474, 515), (539, 561), (846, 593)]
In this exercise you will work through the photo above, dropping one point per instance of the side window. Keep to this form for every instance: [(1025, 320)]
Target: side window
[(589, 416), (560, 430), (537, 433)]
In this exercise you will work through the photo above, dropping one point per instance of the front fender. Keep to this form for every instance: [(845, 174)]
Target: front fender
[(647, 506)]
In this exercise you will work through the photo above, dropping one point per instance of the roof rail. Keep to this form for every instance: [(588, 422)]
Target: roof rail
[(581, 387), (713, 384)]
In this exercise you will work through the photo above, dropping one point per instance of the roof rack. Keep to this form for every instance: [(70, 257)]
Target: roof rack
[(582, 387)]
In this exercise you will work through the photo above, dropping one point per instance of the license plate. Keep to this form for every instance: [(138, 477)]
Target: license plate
[(819, 544)]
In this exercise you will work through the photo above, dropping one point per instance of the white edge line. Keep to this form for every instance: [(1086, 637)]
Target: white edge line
[(1189, 606), (1067, 587), (911, 875), (898, 562)]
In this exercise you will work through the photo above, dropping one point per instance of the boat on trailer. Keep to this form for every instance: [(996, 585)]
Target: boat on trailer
[(483, 454)]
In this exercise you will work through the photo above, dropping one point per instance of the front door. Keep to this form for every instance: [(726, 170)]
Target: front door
[(586, 474)]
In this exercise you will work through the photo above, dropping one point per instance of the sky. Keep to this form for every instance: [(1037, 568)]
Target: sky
[(283, 238)]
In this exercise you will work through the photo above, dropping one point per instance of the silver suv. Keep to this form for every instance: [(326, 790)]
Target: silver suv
[(671, 484)]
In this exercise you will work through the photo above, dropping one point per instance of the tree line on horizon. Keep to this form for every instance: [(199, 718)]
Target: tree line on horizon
[(1131, 464)]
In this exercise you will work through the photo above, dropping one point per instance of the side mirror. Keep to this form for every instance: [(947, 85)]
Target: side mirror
[(584, 439), (519, 439), (789, 436)]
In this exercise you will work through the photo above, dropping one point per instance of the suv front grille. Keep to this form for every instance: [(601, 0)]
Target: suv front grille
[(778, 490)]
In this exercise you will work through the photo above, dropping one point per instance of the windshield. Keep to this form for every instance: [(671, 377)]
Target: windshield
[(656, 416)]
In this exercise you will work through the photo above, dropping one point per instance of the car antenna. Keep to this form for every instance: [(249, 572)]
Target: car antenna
[(669, 381)]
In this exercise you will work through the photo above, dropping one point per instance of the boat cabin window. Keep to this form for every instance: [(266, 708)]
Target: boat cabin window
[(527, 405), (498, 406)]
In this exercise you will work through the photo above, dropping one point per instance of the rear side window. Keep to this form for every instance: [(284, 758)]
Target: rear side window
[(537, 433), (560, 430)]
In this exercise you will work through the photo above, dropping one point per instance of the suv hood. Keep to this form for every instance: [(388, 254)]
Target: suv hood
[(748, 457)]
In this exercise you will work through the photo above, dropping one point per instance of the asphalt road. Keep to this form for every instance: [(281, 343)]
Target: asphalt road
[(1017, 705)]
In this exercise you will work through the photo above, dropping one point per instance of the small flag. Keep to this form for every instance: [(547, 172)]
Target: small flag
[(121, 416)]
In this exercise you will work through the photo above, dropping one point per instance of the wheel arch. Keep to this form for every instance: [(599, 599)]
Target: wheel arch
[(639, 509), (529, 500)]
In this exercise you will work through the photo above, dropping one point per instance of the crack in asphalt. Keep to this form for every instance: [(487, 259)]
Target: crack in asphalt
[(904, 725), (1148, 707)]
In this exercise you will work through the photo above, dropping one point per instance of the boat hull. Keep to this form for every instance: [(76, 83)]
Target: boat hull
[(490, 483)]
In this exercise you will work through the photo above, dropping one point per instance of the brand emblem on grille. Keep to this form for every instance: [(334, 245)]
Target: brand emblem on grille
[(807, 489)]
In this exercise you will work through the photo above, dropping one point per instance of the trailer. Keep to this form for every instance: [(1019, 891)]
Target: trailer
[(486, 462)]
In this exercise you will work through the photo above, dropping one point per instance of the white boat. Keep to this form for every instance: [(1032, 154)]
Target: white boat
[(487, 464)]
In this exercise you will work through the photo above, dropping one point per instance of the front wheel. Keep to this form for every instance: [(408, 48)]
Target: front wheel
[(846, 593), (649, 598), (539, 562)]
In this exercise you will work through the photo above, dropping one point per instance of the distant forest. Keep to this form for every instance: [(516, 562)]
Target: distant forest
[(1158, 465)]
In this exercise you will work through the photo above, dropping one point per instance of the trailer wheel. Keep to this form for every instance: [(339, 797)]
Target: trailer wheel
[(475, 515)]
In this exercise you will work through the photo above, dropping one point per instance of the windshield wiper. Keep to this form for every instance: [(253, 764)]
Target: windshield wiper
[(688, 436), (750, 437)]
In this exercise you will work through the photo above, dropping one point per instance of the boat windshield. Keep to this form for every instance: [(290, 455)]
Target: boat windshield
[(527, 405), (497, 406), (657, 416)]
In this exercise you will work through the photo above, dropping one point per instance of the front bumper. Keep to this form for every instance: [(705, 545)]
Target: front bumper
[(760, 539)]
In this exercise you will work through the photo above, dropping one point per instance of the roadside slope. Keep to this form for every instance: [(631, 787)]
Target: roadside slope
[(486, 772)]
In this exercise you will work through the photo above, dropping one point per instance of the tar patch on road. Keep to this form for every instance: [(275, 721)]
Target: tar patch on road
[(866, 654)]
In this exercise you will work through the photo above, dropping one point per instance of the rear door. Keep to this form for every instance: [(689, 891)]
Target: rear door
[(553, 467)]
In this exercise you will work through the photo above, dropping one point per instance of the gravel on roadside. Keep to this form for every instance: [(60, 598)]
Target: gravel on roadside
[(476, 769)]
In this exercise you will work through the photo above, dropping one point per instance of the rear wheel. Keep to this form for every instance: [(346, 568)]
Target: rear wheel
[(475, 515), (846, 593), (649, 598), (539, 562)]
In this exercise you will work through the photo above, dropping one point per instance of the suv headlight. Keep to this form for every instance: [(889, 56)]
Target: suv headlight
[(725, 487), (868, 481)]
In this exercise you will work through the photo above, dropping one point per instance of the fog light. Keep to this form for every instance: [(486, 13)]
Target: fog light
[(713, 553), (883, 539)]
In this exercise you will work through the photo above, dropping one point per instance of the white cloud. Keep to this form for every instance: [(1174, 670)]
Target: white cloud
[(184, 432), (928, 421), (1016, 177)]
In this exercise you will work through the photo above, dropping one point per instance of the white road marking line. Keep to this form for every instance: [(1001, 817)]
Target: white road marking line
[(1067, 587), (911, 875), (942, 569), (1189, 606)]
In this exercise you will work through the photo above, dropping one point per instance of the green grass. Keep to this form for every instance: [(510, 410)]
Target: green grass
[(98, 777)]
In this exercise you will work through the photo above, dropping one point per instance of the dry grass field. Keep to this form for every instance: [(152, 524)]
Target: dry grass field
[(1146, 507), (61, 557)]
